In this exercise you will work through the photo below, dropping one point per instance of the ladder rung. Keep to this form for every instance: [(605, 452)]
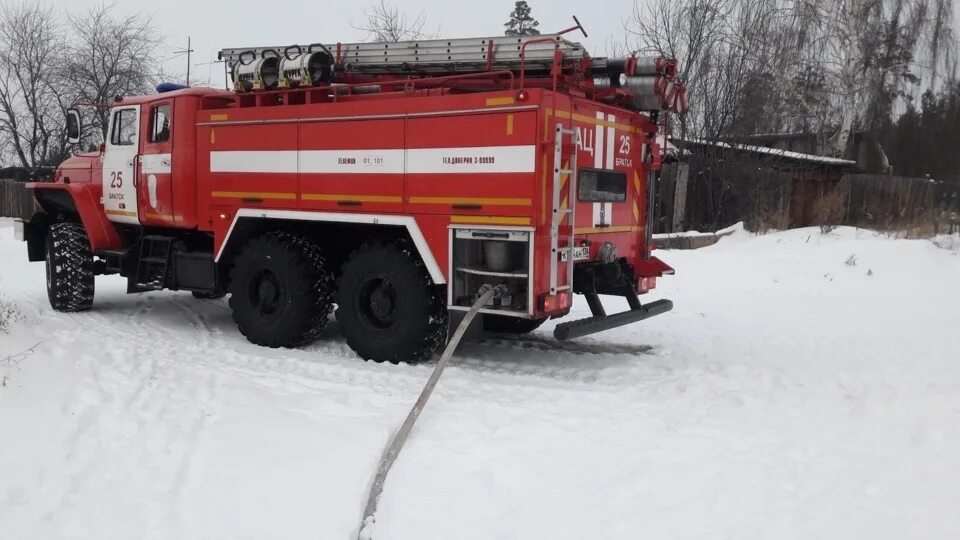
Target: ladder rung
[(565, 171), (562, 287), (563, 210)]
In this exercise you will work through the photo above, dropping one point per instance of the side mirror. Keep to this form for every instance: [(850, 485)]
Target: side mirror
[(73, 126)]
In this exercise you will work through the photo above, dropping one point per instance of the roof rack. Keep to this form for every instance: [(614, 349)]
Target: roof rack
[(549, 61)]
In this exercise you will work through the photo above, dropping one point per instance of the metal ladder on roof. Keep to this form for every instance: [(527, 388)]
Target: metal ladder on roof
[(563, 255), (434, 56)]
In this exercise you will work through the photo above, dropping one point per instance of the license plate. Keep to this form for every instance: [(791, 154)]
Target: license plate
[(579, 254)]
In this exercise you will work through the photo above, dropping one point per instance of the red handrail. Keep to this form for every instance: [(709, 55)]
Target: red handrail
[(523, 58)]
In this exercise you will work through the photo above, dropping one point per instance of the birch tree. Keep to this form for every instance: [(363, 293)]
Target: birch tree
[(829, 67)]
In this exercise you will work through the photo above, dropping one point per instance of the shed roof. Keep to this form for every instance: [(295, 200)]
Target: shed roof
[(787, 156)]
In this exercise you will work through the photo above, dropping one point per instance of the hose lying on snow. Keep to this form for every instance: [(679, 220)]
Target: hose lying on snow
[(393, 449)]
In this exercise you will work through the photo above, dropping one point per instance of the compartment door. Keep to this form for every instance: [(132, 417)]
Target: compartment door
[(473, 166)]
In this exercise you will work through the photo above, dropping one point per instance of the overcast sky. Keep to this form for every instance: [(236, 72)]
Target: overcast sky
[(214, 25)]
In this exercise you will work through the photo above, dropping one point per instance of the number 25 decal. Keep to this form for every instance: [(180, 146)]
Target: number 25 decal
[(624, 144), (116, 179)]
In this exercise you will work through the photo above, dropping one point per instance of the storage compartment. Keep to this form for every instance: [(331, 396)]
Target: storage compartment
[(490, 257)]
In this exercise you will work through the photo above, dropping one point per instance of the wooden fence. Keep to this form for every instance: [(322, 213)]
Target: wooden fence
[(15, 200), (691, 198), (897, 203)]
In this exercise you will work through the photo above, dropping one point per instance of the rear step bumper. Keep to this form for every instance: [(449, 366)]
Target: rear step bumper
[(599, 323)]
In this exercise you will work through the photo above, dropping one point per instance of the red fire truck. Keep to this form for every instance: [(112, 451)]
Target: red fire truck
[(394, 181)]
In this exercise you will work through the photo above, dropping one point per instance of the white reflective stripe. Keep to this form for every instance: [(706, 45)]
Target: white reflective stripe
[(611, 142), (152, 190), (351, 161), (598, 163), (476, 159), (254, 161), (155, 163), (599, 155), (344, 217)]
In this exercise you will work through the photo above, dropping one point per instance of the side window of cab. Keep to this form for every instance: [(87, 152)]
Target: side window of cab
[(160, 123), (123, 132)]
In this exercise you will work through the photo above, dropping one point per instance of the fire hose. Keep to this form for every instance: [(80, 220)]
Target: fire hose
[(400, 437)]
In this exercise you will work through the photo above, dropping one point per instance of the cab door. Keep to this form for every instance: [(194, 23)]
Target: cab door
[(155, 195), (119, 161)]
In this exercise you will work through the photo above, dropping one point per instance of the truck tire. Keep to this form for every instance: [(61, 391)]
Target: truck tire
[(280, 290), (387, 306), (69, 262), (510, 325)]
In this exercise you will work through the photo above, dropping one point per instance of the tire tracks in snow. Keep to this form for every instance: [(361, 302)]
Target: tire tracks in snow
[(152, 381), (163, 358), (537, 363)]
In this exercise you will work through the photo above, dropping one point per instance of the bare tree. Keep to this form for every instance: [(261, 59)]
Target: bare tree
[(683, 29), (31, 100), (616, 48), (387, 24), (110, 57)]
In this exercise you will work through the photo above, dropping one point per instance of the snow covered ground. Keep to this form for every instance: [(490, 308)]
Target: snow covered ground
[(806, 386)]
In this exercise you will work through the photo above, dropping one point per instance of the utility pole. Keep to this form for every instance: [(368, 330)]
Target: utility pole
[(226, 80), (186, 51)]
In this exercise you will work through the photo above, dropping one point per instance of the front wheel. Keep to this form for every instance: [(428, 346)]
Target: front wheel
[(69, 268), (387, 306)]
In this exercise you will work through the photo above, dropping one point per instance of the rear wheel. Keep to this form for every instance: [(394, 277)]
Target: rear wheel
[(387, 306), (510, 325), (69, 268), (280, 290)]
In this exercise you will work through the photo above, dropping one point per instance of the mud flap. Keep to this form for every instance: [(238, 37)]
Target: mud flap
[(34, 233)]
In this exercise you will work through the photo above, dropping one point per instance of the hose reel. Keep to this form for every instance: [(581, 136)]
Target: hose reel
[(253, 73), (305, 68)]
